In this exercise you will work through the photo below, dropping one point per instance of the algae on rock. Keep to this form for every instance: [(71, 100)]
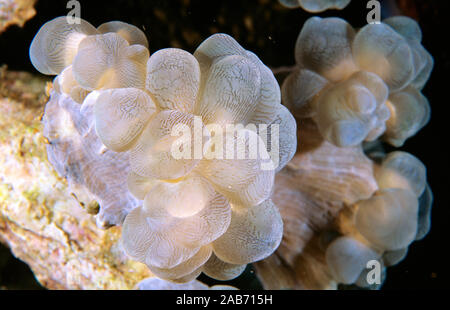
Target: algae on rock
[(40, 220)]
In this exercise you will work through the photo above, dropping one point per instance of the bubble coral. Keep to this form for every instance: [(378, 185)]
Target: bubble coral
[(195, 207), (201, 212), (359, 85), (316, 6), (384, 224), (342, 209)]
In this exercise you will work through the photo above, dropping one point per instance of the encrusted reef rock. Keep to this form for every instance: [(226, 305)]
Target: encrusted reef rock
[(42, 223), (15, 12)]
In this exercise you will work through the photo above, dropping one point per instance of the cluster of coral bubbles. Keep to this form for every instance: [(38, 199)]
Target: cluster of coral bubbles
[(114, 107)]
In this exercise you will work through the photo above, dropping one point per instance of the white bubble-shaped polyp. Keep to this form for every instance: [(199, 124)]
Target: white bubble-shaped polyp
[(402, 170), (299, 89), (152, 155), (268, 106), (324, 46), (405, 26), (246, 177), (215, 47), (254, 234), (109, 61), (348, 112), (280, 138), (139, 186), (347, 257), (69, 86), (220, 270), (379, 49), (129, 32), (389, 218), (56, 44), (410, 112), (186, 268), (231, 91), (173, 78), (121, 115)]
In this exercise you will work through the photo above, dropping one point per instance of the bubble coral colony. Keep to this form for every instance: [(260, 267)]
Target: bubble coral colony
[(198, 214), (113, 108), (360, 85)]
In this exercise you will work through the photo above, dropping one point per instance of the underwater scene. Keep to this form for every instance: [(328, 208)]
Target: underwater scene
[(223, 145)]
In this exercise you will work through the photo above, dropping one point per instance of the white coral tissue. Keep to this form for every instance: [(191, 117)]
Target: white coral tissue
[(360, 85)]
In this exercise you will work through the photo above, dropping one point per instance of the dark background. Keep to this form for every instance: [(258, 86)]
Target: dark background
[(270, 30)]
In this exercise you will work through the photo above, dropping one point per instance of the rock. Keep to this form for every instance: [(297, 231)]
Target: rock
[(15, 12), (40, 221)]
